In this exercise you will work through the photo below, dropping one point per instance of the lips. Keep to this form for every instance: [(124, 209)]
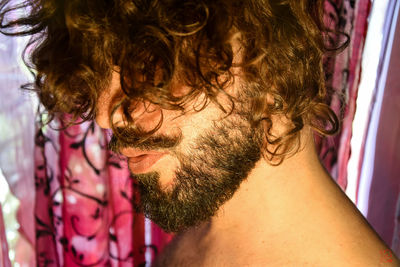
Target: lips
[(143, 161)]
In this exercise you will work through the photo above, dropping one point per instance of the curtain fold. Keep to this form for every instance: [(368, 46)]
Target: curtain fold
[(360, 22), (380, 160), (342, 78), (85, 212), (4, 259), (17, 116)]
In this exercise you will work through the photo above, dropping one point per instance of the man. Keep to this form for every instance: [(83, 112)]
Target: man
[(215, 105)]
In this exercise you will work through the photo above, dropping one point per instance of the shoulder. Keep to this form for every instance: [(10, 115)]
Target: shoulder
[(179, 252)]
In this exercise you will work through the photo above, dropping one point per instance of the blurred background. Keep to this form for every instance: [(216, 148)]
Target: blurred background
[(60, 205)]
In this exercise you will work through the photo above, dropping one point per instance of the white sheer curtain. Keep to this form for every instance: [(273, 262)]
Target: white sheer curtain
[(17, 109)]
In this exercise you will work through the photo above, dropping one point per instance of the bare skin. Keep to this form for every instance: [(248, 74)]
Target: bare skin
[(293, 214)]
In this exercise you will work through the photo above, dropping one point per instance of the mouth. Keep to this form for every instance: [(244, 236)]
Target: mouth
[(141, 162)]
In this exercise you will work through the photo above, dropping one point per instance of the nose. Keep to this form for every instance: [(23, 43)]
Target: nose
[(145, 115), (105, 104)]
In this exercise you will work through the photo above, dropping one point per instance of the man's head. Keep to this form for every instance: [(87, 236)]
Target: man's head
[(203, 81), (209, 159)]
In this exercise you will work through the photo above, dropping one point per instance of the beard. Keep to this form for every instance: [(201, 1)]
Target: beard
[(211, 170)]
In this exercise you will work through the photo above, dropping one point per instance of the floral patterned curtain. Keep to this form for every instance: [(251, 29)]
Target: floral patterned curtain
[(85, 203), (342, 78)]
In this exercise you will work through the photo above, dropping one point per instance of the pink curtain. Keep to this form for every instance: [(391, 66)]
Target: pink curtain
[(85, 213), (342, 78)]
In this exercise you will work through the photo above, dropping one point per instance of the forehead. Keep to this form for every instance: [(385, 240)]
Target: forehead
[(235, 41)]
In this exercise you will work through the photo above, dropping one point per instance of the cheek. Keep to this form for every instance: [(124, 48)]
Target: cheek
[(200, 123), (193, 122), (167, 167)]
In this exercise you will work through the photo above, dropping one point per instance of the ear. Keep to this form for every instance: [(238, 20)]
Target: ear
[(276, 126)]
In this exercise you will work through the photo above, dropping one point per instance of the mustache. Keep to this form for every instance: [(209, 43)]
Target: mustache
[(132, 138)]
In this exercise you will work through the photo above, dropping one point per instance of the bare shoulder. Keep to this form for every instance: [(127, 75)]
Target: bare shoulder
[(383, 256), (186, 249), (168, 257), (363, 253)]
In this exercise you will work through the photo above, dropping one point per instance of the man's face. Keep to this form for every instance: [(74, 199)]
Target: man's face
[(194, 163)]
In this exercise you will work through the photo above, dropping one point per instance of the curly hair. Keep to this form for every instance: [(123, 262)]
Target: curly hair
[(77, 43)]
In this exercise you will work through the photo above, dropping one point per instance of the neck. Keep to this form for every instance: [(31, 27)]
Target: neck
[(293, 214), (287, 215), (273, 197), (293, 209)]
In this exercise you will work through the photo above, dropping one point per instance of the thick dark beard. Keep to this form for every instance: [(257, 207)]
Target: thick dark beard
[(208, 176)]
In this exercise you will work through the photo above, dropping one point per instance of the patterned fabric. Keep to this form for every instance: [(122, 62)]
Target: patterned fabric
[(342, 78), (85, 198)]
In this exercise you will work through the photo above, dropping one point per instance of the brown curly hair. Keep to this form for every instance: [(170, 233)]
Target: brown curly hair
[(77, 43)]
